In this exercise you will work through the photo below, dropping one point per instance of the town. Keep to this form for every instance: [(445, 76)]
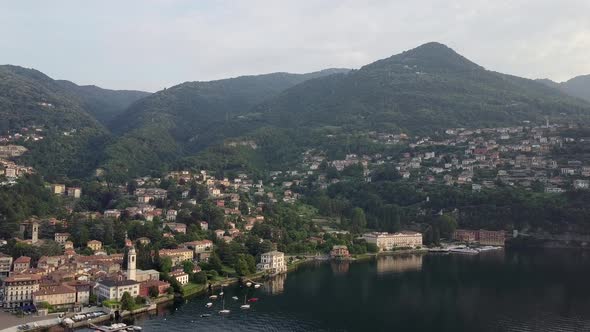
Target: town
[(188, 229)]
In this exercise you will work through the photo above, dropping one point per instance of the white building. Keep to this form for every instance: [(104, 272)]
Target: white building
[(114, 289), (19, 289), (272, 262), (388, 241)]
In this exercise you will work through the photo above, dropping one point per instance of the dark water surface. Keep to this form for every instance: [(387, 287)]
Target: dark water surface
[(496, 291)]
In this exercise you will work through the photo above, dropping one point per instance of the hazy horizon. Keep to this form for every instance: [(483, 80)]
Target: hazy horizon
[(152, 44)]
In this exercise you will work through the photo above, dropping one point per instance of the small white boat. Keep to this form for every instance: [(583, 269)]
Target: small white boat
[(245, 306), (205, 315), (248, 284), (256, 286), (224, 312), (469, 251), (137, 328), (213, 297), (208, 305), (235, 298), (220, 293)]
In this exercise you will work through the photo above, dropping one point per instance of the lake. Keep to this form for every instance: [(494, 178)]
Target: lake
[(494, 291)]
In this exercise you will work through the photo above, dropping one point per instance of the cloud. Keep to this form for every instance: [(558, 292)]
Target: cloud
[(151, 44)]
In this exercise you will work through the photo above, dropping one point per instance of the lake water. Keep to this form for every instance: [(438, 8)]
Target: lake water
[(495, 291)]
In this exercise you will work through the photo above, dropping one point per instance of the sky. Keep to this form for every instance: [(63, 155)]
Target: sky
[(152, 44)]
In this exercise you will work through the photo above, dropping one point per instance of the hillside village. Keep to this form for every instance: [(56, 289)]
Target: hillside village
[(172, 226)]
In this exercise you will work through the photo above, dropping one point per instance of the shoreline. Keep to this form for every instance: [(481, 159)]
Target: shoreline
[(156, 303)]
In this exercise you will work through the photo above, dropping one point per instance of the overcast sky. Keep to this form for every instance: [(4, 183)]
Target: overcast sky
[(152, 44)]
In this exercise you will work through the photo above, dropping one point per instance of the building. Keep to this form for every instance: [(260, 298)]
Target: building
[(144, 287), (465, 235), (61, 238), (180, 276), (491, 238), (114, 289), (131, 262), (388, 241), (201, 248), (178, 255), (5, 265), (484, 237), (204, 225), (57, 296), (171, 215), (22, 263), (176, 227), (146, 275), (272, 262), (75, 192), (339, 252), (58, 189), (115, 214), (19, 289), (95, 245)]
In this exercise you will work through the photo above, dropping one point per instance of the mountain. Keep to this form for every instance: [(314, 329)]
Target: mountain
[(72, 137), (430, 87), (188, 117), (102, 104), (578, 86)]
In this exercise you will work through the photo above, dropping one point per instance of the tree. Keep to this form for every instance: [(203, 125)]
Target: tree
[(244, 209), (127, 302), (153, 291), (215, 263), (199, 278), (358, 220), (165, 264)]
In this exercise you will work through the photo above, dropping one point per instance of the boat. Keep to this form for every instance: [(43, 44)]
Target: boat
[(213, 297), (254, 299), (221, 293), (487, 248), (469, 251), (223, 311), (235, 298), (208, 305), (257, 286), (137, 328), (245, 306), (248, 284), (205, 315)]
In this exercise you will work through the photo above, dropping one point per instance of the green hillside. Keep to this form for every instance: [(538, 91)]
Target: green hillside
[(578, 86), (102, 104), (420, 90), (73, 139), (186, 118)]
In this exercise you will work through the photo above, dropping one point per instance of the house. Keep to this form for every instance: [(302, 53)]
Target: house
[(5, 265), (204, 225), (22, 263), (95, 245), (180, 276), (57, 296), (75, 192), (219, 233), (272, 262), (19, 289), (68, 245), (339, 251), (484, 237), (202, 249), (61, 238), (176, 227), (171, 215), (144, 287), (115, 214), (114, 289), (388, 241), (178, 255), (58, 189)]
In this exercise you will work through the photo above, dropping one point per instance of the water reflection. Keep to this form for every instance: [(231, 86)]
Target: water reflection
[(399, 263), (276, 285), (340, 267)]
